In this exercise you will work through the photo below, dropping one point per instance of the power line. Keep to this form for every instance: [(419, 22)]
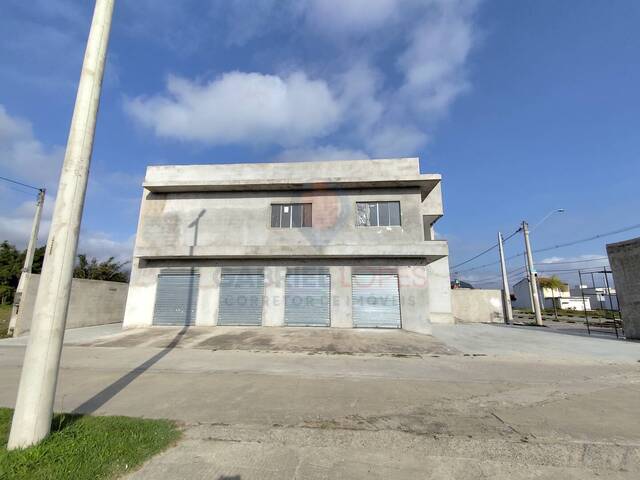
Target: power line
[(588, 270), (19, 183), (485, 251), (595, 237), (555, 247)]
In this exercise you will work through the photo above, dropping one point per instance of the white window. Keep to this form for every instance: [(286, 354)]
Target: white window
[(374, 214)]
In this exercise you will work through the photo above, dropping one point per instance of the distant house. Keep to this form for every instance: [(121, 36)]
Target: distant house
[(601, 298), (460, 284), (564, 299)]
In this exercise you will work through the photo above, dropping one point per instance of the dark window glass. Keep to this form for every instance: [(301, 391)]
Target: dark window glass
[(394, 213), (275, 216), (296, 215), (286, 216), (383, 214), (306, 215), (373, 214), (291, 215)]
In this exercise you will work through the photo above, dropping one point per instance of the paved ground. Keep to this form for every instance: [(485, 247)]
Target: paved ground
[(500, 402), (296, 340)]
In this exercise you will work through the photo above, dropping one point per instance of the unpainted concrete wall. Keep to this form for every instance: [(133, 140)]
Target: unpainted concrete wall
[(477, 306), (624, 258), (424, 290), (92, 302), (205, 224)]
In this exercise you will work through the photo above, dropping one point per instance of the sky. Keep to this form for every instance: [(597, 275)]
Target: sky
[(523, 107)]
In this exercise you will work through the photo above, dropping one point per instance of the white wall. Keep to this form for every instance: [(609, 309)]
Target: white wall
[(92, 302)]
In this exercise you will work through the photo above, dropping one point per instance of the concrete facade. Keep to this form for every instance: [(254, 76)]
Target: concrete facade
[(477, 305), (92, 302), (213, 216), (624, 258)]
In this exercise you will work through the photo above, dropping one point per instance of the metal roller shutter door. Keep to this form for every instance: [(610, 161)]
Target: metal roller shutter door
[(241, 298), (176, 299), (375, 300), (307, 300)]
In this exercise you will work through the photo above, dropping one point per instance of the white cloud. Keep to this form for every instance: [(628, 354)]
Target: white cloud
[(23, 157), (240, 107), (433, 64), (396, 140), (328, 152), (22, 154), (102, 246), (398, 67), (351, 16)]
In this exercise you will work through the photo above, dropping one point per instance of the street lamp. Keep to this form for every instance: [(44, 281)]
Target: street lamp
[(552, 212)]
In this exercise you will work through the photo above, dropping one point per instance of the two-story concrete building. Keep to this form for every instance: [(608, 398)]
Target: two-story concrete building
[(340, 244)]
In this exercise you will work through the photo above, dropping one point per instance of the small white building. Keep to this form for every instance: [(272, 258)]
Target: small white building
[(601, 298), (564, 299)]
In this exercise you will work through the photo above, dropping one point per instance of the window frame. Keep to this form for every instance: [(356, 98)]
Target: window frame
[(305, 213), (377, 204)]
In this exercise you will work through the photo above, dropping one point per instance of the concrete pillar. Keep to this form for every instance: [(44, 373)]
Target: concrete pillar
[(414, 298), (142, 295), (341, 315), (274, 286), (208, 296), (36, 393), (439, 291)]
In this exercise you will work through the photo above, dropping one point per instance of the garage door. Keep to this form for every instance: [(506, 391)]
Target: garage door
[(376, 300), (241, 297), (176, 298), (307, 299)]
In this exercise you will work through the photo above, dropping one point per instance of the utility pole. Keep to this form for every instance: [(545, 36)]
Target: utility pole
[(527, 270), (36, 393), (28, 261), (532, 275), (506, 295)]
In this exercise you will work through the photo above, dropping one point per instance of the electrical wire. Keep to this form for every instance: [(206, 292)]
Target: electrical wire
[(554, 247), (20, 183), (486, 251)]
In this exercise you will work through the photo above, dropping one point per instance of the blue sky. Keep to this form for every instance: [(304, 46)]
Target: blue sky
[(523, 107)]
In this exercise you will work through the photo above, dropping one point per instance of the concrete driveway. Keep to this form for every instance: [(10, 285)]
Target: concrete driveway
[(296, 340), (500, 403)]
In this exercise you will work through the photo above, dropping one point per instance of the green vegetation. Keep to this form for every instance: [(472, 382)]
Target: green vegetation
[(93, 270), (5, 315), (12, 261), (85, 447)]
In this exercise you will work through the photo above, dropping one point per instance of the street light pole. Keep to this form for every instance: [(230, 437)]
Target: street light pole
[(36, 393), (506, 296), (28, 260), (532, 275)]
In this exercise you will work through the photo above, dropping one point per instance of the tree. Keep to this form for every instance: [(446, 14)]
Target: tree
[(109, 270), (11, 261), (554, 283)]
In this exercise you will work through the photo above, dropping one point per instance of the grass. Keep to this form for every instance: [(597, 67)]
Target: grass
[(5, 315), (84, 447)]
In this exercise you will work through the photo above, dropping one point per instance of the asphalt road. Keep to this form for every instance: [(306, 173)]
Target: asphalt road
[(499, 402)]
